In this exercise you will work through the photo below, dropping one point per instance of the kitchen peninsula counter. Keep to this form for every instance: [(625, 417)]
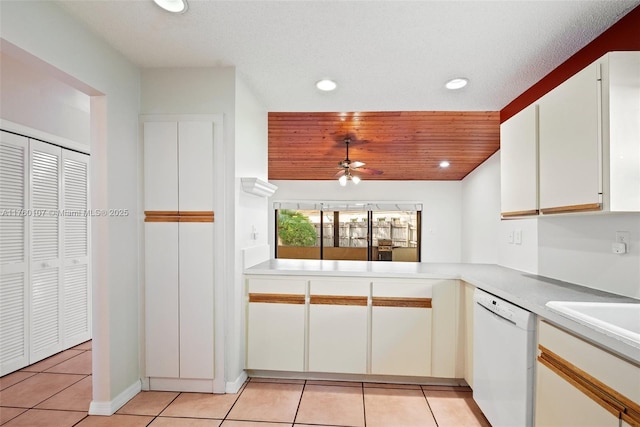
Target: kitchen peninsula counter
[(526, 290)]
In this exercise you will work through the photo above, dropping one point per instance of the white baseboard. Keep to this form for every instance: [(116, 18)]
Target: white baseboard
[(110, 407), (234, 386)]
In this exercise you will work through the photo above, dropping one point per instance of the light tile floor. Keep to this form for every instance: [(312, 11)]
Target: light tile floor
[(56, 392)]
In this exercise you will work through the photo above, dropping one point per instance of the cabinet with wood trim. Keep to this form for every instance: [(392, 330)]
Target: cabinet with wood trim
[(178, 184), (578, 383), (589, 137), (338, 318), (401, 328), (519, 164), (276, 315), (575, 149), (380, 326)]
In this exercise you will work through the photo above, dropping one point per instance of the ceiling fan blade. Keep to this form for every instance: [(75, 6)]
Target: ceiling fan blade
[(370, 171), (356, 164), (339, 173)]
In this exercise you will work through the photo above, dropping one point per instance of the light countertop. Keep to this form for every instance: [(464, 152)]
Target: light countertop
[(528, 291)]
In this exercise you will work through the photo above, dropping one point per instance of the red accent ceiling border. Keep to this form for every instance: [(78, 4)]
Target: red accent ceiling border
[(623, 35)]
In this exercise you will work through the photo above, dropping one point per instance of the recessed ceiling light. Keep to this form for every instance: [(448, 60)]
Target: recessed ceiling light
[(174, 6), (457, 83), (444, 164), (326, 85)]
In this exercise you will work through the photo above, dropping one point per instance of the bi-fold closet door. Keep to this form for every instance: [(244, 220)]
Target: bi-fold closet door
[(179, 292), (44, 254)]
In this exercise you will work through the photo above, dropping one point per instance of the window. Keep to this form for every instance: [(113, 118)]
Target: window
[(348, 231)]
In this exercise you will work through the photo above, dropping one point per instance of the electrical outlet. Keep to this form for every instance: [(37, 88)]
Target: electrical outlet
[(510, 237), (517, 237), (622, 237)]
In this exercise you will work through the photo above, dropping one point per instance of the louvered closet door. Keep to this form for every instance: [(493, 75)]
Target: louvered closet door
[(14, 270), (76, 271), (46, 242)]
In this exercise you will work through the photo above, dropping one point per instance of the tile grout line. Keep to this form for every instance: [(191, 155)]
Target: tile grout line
[(429, 406), (243, 388), (299, 402), (364, 406)]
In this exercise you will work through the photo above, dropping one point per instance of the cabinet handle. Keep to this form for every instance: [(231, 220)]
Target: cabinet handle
[(573, 208)]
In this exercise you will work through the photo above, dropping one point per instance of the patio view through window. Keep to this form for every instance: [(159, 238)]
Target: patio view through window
[(340, 233)]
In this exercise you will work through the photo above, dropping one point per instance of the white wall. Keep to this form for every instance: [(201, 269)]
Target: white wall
[(35, 99), (481, 213), (441, 214), (251, 159), (577, 248), (64, 48)]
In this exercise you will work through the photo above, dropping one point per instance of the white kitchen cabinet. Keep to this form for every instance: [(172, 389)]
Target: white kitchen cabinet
[(570, 172), (338, 319), (589, 137), (401, 325), (179, 233), (519, 164), (447, 356), (579, 384), (276, 324)]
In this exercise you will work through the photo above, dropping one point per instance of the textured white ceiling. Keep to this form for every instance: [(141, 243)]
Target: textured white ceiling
[(385, 55)]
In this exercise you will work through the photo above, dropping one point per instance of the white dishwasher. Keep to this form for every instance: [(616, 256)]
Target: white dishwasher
[(503, 361)]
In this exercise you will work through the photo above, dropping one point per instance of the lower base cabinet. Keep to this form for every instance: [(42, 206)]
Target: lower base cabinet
[(394, 327), (276, 315), (338, 317), (401, 323), (580, 384)]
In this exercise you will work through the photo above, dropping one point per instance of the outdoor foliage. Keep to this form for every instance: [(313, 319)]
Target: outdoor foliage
[(295, 229)]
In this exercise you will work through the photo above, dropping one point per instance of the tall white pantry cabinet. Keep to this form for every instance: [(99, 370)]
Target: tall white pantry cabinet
[(179, 285), (45, 292)]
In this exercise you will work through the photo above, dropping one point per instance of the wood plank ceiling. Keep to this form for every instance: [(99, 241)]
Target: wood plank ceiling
[(403, 145)]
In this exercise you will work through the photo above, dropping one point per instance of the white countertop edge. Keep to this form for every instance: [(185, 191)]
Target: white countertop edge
[(528, 291)]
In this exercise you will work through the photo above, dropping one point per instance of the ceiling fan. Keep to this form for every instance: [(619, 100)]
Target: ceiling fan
[(347, 166)]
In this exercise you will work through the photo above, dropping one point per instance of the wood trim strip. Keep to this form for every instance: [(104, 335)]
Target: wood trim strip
[(402, 302), (573, 208), (179, 216), (339, 300), (611, 400), (277, 298), (519, 213)]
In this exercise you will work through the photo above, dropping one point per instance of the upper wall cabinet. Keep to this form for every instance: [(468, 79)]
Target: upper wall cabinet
[(578, 147), (589, 137), (519, 163)]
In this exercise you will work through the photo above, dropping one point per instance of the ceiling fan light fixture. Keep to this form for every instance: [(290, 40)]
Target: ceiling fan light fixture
[(343, 180), (355, 179), (173, 6), (457, 83), (326, 85)]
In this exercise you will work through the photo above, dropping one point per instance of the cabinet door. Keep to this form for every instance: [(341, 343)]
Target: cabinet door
[(46, 244), (276, 324), (401, 329), (14, 269), (161, 299), (570, 151), (447, 357), (76, 254), (559, 403), (195, 159), (519, 163), (161, 166), (196, 300), (338, 326)]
